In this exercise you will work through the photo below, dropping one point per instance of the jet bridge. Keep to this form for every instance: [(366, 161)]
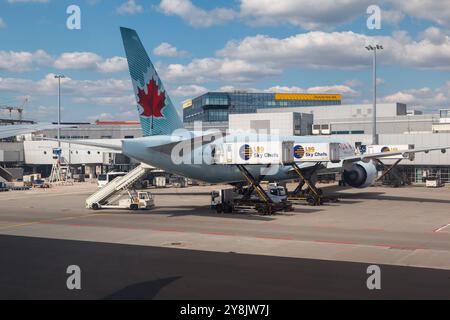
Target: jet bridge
[(114, 190)]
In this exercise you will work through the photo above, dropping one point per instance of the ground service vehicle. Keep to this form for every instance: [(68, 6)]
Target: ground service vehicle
[(132, 200), (230, 200)]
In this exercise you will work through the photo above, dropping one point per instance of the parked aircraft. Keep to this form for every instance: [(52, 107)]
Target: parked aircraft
[(163, 132)]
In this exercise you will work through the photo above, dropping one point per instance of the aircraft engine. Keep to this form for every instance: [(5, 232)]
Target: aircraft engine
[(360, 174)]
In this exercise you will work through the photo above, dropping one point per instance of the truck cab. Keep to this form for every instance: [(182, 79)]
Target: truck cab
[(277, 193)]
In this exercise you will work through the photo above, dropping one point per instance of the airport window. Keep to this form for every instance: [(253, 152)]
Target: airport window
[(445, 113)]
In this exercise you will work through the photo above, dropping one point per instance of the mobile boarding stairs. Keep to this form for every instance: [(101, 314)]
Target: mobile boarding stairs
[(116, 189)]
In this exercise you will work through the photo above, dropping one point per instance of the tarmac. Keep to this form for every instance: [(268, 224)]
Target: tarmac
[(404, 230)]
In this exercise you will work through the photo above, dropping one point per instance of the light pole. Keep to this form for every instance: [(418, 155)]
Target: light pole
[(374, 122), (59, 77)]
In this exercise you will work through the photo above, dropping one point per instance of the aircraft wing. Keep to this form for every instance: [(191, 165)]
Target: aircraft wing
[(91, 143), (405, 153), (17, 130)]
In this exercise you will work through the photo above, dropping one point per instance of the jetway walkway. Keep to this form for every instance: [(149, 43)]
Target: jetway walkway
[(114, 189)]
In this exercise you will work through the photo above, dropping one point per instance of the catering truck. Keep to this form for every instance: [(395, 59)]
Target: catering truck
[(230, 200), (321, 152), (253, 153)]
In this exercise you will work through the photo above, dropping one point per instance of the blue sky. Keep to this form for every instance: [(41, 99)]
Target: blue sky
[(254, 45)]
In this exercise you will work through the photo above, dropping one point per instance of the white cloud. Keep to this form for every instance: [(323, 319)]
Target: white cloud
[(23, 61), (128, 100), (90, 61), (214, 69), (255, 57), (77, 60), (78, 88), (125, 115), (434, 35), (341, 89), (129, 7), (437, 11), (114, 64), (339, 50), (2, 24), (194, 15), (18, 61), (167, 50), (393, 17), (426, 99), (285, 89), (188, 91), (308, 14), (336, 88)]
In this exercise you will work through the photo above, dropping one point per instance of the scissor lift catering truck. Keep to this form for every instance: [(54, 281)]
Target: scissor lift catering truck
[(230, 200), (286, 153), (246, 154)]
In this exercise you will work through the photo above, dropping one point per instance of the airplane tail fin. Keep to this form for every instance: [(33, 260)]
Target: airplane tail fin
[(157, 114)]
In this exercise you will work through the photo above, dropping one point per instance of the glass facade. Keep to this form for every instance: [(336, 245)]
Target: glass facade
[(417, 174), (216, 106)]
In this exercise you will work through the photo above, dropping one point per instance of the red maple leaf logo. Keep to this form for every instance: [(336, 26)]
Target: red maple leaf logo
[(152, 102)]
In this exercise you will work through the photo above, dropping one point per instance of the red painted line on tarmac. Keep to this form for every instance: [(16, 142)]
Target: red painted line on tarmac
[(388, 246), (374, 230), (168, 230), (218, 234), (334, 242), (84, 225), (274, 238)]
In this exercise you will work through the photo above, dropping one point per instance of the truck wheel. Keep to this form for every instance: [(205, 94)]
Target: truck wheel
[(134, 207), (95, 206), (228, 209), (311, 200), (219, 209)]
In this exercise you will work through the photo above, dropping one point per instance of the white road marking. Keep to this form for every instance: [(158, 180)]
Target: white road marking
[(442, 228)]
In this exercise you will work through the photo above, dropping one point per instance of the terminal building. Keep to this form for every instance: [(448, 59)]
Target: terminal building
[(214, 108), (28, 154)]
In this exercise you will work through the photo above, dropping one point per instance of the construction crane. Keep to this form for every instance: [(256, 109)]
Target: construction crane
[(18, 109)]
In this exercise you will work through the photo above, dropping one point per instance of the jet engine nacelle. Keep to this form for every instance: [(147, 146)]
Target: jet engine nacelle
[(360, 174)]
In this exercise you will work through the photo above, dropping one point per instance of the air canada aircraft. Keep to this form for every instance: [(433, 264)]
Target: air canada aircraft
[(163, 131)]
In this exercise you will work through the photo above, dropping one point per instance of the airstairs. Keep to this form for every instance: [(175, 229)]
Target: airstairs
[(5, 174), (114, 190)]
